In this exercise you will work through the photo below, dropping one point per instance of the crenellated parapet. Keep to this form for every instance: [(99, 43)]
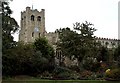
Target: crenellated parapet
[(101, 38), (108, 42)]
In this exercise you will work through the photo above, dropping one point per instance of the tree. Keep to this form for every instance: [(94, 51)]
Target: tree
[(9, 27), (42, 46), (19, 60), (117, 55), (91, 63), (68, 41), (85, 30), (79, 44), (103, 54), (24, 59), (87, 38)]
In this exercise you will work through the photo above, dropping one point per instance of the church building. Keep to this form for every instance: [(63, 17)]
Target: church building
[(33, 26)]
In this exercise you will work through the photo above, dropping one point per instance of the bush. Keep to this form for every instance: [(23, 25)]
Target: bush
[(61, 73), (74, 75), (75, 68), (113, 74), (91, 64), (25, 60), (85, 74)]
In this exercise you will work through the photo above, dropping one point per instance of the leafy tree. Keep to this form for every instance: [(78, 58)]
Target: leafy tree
[(85, 30), (68, 42), (80, 43), (87, 39), (91, 63), (117, 55), (24, 59), (9, 26), (6, 9), (103, 54), (42, 46), (18, 60)]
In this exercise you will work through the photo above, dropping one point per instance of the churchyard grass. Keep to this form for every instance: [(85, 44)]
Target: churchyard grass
[(57, 81)]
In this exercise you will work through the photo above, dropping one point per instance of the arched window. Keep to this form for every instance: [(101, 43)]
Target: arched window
[(32, 34), (39, 35), (38, 18), (32, 17)]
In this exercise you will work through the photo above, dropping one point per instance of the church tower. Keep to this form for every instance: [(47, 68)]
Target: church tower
[(32, 25)]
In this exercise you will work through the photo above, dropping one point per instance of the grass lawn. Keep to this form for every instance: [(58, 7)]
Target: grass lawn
[(28, 79), (56, 81)]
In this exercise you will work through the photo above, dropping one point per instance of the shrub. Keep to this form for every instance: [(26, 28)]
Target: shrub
[(61, 73), (113, 74), (75, 68), (59, 69), (25, 60), (85, 74), (74, 75), (91, 64)]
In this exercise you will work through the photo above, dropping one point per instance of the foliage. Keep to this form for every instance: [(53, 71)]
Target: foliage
[(45, 75), (41, 44), (74, 75), (20, 58), (103, 54), (85, 74), (85, 29), (61, 73), (75, 68), (22, 55), (47, 51), (59, 69), (87, 40), (79, 44), (28, 61), (91, 63), (9, 26), (117, 55), (67, 41), (113, 74), (5, 8)]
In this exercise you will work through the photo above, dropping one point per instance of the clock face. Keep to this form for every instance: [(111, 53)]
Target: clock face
[(36, 29)]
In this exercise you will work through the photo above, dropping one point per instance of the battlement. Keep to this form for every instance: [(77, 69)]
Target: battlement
[(101, 38), (28, 9)]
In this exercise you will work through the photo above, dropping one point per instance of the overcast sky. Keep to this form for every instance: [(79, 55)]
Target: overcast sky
[(63, 13)]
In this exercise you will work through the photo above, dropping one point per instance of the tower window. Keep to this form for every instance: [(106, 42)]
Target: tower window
[(32, 17), (38, 18), (39, 35), (32, 34)]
